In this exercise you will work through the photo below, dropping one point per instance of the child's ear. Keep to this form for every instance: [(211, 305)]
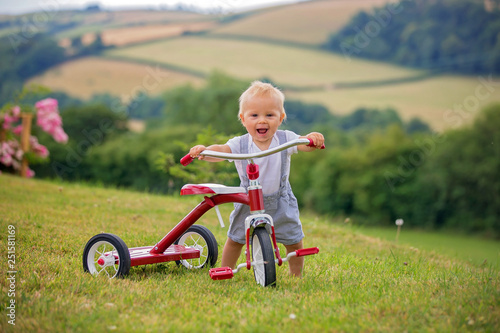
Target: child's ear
[(282, 116), (241, 117)]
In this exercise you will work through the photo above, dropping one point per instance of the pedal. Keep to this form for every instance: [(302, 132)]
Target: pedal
[(221, 273), (307, 252)]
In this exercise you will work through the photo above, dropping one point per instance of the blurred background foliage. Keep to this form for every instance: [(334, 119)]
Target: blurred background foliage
[(443, 35)]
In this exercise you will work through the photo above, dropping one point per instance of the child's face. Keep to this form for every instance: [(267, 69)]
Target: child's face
[(261, 117)]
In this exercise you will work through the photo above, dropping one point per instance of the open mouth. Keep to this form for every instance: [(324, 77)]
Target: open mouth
[(262, 130)]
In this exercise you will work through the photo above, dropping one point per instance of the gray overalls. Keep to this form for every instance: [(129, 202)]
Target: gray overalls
[(281, 205)]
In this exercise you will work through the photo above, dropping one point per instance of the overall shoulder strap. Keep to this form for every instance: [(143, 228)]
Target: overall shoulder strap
[(244, 150), (284, 154), (281, 136), (244, 144)]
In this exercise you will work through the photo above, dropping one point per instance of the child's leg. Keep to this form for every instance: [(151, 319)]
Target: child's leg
[(296, 263), (231, 253)]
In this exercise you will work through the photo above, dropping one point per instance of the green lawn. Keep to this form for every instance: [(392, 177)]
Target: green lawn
[(477, 251), (355, 283)]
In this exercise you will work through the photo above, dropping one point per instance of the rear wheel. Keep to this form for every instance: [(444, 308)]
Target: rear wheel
[(263, 255), (202, 239), (106, 255)]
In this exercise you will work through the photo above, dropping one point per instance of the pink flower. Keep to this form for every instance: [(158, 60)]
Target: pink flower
[(30, 173), (49, 120), (42, 151), (17, 130), (59, 135), (47, 105), (10, 155), (19, 154), (16, 111), (9, 120), (6, 160), (37, 148), (8, 147)]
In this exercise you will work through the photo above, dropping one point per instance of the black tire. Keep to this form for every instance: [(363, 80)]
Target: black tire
[(199, 237), (100, 247), (262, 251)]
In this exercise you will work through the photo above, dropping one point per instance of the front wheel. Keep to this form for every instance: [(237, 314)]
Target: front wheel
[(202, 239), (263, 255), (106, 255)]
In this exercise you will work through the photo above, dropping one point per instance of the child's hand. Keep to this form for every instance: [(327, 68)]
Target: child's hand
[(317, 138), (196, 150)]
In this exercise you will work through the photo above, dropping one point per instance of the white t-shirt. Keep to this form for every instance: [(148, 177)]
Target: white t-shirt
[(269, 166)]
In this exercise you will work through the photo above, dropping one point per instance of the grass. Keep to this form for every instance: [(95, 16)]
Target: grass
[(355, 283), (475, 250)]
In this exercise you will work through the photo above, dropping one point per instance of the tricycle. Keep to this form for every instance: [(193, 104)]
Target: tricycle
[(194, 246)]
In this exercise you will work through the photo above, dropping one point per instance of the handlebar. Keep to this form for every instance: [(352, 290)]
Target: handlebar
[(230, 156)]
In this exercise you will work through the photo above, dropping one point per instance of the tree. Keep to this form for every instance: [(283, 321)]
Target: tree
[(443, 35)]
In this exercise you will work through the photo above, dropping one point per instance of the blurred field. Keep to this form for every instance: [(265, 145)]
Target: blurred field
[(88, 76), (124, 36), (428, 99), (91, 22), (307, 22), (250, 60), (139, 34)]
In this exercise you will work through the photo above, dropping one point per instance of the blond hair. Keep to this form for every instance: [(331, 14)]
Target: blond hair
[(262, 89)]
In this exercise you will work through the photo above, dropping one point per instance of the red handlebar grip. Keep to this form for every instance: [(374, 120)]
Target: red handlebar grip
[(186, 160), (311, 144)]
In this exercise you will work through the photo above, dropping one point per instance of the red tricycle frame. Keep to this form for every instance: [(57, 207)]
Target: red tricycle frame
[(108, 253)]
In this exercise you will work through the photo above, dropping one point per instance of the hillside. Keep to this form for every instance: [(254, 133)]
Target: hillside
[(355, 283), (309, 22)]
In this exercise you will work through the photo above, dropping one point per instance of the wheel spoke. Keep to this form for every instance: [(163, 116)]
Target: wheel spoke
[(196, 240), (99, 272)]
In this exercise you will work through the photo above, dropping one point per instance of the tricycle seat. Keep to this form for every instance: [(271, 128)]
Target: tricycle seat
[(189, 189)]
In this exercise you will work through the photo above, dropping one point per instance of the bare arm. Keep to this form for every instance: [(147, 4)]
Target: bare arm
[(196, 150), (316, 137)]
